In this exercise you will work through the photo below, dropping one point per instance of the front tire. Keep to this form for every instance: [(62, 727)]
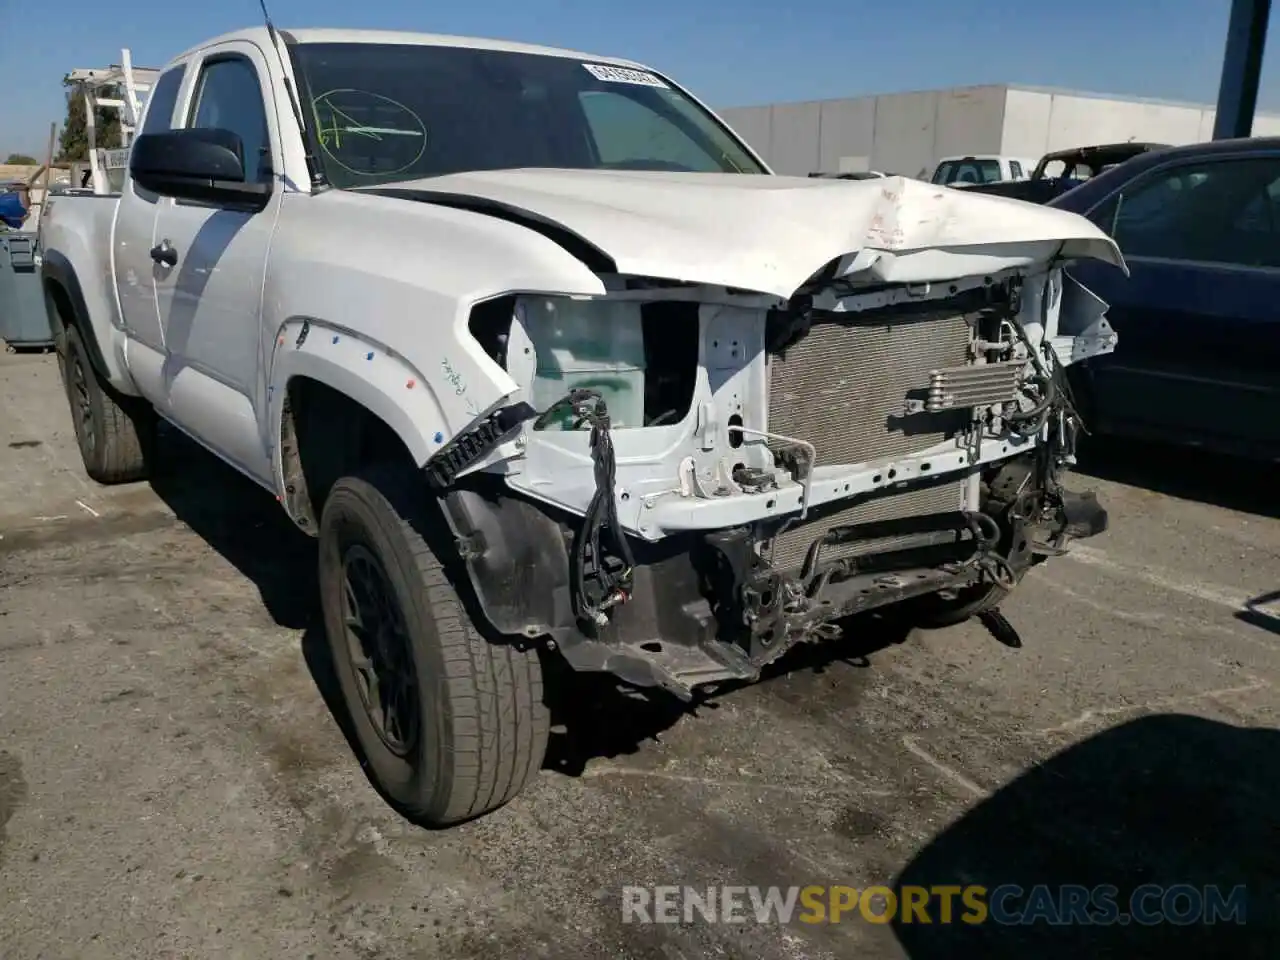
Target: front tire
[(452, 725), (114, 433)]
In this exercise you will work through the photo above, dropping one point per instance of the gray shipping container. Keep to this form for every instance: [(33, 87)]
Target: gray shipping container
[(23, 319)]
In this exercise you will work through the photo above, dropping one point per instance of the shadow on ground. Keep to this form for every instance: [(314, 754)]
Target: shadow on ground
[(1186, 473), (592, 715), (1263, 611), (241, 521), (1167, 799), (595, 717)]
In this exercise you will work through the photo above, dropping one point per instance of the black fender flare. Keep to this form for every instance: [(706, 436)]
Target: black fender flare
[(56, 270)]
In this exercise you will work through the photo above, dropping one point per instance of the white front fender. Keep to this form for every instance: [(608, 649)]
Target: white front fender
[(382, 382)]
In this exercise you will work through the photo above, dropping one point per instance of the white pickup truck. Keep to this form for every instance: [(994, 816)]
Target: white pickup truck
[(553, 365), (987, 168)]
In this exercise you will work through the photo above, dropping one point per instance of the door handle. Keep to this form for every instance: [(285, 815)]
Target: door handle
[(164, 253)]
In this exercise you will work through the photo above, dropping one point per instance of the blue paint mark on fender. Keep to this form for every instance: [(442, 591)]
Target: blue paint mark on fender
[(439, 437)]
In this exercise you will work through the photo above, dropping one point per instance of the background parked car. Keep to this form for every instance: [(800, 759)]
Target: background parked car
[(1064, 170), (1199, 317), (965, 171)]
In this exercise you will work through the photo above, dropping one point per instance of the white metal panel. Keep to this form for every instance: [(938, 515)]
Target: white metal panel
[(968, 120), (1205, 130), (1266, 125), (770, 234), (752, 124), (848, 131), (1026, 123), (793, 147), (907, 133), (1075, 120), (904, 133)]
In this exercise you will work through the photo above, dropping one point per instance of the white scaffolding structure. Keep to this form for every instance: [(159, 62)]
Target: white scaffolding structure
[(122, 87)]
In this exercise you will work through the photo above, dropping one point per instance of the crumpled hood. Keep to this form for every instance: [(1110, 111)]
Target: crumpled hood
[(772, 233)]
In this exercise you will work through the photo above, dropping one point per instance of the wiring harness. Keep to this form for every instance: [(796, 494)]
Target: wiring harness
[(601, 576)]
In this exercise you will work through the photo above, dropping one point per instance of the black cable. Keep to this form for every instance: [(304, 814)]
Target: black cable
[(589, 407), (1045, 377)]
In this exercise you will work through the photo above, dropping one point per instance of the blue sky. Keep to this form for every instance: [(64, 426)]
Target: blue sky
[(729, 53)]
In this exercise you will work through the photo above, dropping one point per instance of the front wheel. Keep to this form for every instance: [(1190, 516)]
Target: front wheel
[(934, 611), (452, 725)]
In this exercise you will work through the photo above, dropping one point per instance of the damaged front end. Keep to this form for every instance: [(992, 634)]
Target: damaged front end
[(692, 479)]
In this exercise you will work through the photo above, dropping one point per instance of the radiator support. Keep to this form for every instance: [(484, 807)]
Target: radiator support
[(858, 387)]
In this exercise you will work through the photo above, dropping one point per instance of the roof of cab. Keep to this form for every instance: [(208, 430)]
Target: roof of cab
[(259, 36), (982, 156)]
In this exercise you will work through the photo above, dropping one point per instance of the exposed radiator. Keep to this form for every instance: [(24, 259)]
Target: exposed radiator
[(790, 547), (843, 387)]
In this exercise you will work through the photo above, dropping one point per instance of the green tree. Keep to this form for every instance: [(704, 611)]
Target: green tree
[(21, 159), (73, 143)]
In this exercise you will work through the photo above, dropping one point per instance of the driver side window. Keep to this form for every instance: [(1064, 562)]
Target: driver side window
[(627, 133), (228, 96), (1220, 211)]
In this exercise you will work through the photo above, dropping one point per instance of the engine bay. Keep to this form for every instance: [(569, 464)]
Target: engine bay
[(717, 477)]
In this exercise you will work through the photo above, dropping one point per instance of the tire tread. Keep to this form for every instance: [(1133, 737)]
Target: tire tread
[(122, 452), (497, 724)]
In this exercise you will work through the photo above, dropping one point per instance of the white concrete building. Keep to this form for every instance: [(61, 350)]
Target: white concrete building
[(908, 133)]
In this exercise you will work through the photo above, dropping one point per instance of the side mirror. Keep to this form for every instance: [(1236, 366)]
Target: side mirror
[(205, 165)]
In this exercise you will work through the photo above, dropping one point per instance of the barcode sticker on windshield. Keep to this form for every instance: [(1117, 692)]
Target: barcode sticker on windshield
[(602, 71)]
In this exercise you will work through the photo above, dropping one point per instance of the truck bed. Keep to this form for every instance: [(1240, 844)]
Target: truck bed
[(1032, 191), (76, 229)]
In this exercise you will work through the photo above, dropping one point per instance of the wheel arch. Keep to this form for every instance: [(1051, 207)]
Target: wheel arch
[(366, 399), (65, 306)]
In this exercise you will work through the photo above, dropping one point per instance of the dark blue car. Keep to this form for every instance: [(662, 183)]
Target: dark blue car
[(1198, 359), (12, 212)]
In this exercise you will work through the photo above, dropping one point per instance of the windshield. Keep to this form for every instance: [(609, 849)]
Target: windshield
[(986, 170), (387, 112)]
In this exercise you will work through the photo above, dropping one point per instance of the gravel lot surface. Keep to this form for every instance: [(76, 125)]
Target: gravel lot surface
[(174, 784)]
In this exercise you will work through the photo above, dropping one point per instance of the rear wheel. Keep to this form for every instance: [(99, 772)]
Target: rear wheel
[(114, 432), (452, 725)]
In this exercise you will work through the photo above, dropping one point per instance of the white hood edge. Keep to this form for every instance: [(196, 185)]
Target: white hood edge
[(772, 233)]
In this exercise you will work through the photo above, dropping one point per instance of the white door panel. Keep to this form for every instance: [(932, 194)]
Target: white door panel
[(210, 301), (133, 236), (146, 366)]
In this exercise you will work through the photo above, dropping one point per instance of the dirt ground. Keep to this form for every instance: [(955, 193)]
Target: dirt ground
[(174, 784)]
